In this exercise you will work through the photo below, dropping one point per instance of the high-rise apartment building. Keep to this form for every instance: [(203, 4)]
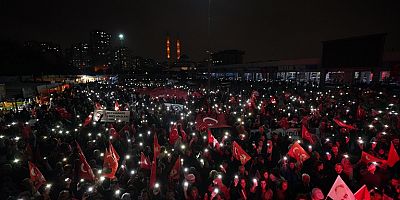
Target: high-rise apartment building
[(80, 57), (100, 48)]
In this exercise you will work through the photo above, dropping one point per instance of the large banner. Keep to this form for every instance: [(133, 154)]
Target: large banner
[(111, 116)]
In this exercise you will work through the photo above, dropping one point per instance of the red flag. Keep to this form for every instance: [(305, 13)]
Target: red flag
[(343, 125), (173, 134), (116, 106), (87, 120), (393, 156), (85, 171), (360, 113), (366, 158), (304, 121), (362, 194), (153, 172), (386, 197), (239, 153), (210, 137), (204, 121), (156, 146), (110, 164), (112, 132), (374, 112), (174, 173), (297, 152), (183, 134), (144, 161), (212, 140), (63, 113), (113, 151), (305, 134), (98, 106), (340, 190), (37, 177), (125, 128)]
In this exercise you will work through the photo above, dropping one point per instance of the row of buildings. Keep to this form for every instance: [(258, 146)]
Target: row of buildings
[(98, 55), (360, 59)]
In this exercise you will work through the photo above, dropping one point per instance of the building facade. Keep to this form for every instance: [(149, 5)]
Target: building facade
[(80, 57), (100, 48), (123, 60)]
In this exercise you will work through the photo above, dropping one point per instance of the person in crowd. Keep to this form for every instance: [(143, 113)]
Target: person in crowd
[(181, 142)]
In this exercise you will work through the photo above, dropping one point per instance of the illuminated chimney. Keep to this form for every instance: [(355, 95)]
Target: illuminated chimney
[(168, 48), (178, 49)]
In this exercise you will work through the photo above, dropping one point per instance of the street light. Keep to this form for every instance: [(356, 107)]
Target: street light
[(121, 39), (121, 36)]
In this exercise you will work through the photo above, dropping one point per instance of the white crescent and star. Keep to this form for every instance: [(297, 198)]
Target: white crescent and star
[(295, 150), (33, 172), (83, 169), (210, 118)]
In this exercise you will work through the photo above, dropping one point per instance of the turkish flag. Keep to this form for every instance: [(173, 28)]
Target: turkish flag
[(362, 194), (343, 125), (212, 140), (173, 134), (156, 146), (305, 134), (85, 171), (366, 158), (37, 177), (116, 106), (113, 151), (110, 164), (393, 156), (204, 121), (153, 172), (174, 173), (87, 120), (239, 153), (98, 106), (112, 132), (144, 161), (297, 152), (210, 136)]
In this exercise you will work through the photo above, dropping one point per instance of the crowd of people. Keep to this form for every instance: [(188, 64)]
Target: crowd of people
[(236, 142)]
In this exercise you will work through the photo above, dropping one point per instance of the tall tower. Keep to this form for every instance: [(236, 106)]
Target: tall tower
[(178, 49), (168, 48)]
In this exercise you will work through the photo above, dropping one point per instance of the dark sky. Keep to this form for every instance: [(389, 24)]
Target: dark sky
[(265, 29)]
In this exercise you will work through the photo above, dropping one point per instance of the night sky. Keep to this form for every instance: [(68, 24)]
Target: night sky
[(265, 29)]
